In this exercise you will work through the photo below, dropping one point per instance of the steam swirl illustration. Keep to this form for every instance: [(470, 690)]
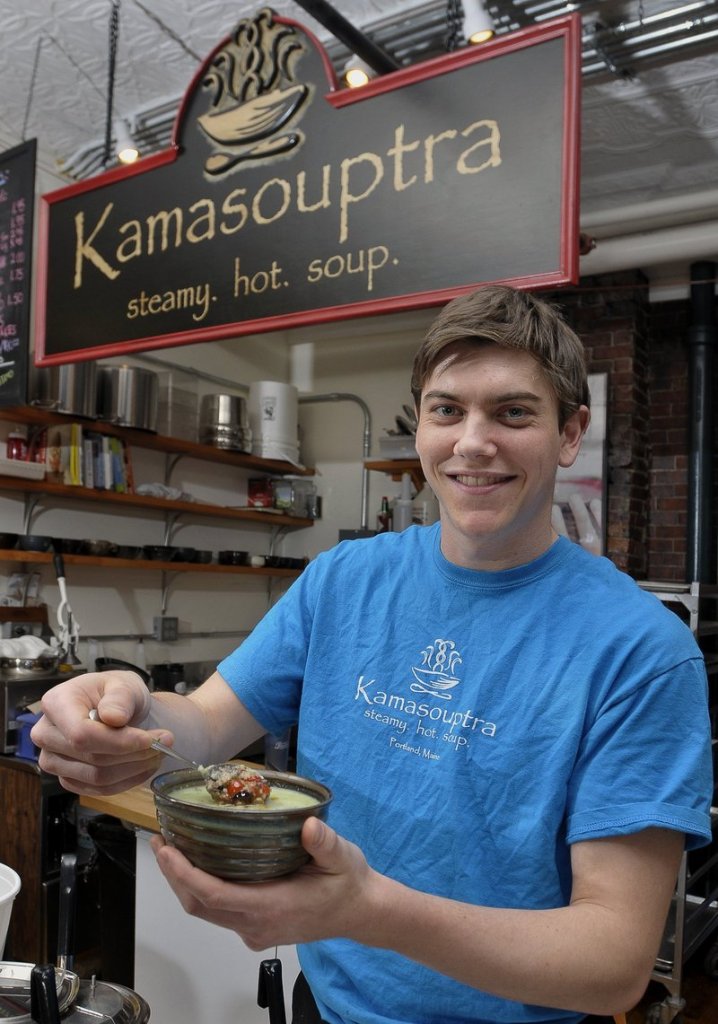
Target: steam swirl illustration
[(437, 676), (253, 98)]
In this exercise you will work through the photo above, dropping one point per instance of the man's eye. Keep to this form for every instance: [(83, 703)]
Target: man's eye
[(446, 410), (515, 412)]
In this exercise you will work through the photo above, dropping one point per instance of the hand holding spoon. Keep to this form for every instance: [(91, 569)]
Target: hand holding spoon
[(163, 749), (226, 783)]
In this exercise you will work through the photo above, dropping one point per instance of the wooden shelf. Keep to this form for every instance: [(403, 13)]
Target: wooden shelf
[(109, 562), (145, 501), (31, 416), (397, 467), (38, 418)]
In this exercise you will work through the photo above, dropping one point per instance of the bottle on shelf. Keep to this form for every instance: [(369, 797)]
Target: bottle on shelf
[(383, 520), (403, 512), (425, 507)]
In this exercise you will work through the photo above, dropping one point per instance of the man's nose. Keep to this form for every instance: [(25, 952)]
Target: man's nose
[(476, 438)]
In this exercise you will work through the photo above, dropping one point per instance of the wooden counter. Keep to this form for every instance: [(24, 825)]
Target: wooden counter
[(136, 807)]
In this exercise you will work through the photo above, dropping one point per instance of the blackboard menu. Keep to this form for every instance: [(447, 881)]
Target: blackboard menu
[(17, 199)]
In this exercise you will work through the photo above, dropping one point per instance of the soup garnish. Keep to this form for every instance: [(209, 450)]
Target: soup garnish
[(236, 784)]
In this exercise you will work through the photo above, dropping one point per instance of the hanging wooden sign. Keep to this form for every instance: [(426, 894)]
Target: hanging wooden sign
[(286, 201)]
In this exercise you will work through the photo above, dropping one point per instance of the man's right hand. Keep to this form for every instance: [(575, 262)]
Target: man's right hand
[(104, 756)]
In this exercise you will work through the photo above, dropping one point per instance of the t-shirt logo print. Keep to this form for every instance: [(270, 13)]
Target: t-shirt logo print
[(436, 674)]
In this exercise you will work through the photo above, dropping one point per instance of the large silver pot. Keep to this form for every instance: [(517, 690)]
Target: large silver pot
[(224, 422), (29, 668), (60, 996), (71, 388), (128, 396)]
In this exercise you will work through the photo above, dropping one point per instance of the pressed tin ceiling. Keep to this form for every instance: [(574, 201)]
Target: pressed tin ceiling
[(649, 98)]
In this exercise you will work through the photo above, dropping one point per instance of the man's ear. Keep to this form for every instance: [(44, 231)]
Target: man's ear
[(572, 434)]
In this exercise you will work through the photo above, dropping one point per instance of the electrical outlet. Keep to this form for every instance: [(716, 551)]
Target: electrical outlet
[(166, 627)]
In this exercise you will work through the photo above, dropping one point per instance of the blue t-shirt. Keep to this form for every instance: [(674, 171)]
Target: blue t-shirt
[(472, 725)]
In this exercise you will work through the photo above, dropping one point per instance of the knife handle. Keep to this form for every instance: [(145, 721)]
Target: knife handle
[(44, 1007), (270, 993), (66, 916)]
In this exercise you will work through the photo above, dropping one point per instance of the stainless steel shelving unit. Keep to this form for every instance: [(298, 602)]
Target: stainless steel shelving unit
[(693, 915)]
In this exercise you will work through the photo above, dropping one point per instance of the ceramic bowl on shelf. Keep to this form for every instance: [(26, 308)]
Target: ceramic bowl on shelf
[(184, 555), (233, 558), (69, 545), (128, 551), (158, 552), (34, 542), (297, 563), (247, 843), (100, 548)]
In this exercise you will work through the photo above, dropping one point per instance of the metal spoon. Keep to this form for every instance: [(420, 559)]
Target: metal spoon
[(170, 752), (167, 751)]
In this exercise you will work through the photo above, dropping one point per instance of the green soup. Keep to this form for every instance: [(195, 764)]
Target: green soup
[(280, 799)]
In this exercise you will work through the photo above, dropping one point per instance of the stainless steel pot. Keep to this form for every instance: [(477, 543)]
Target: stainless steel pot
[(29, 668), (224, 411), (55, 995), (60, 997), (128, 396), (71, 388), (17, 981), (224, 422)]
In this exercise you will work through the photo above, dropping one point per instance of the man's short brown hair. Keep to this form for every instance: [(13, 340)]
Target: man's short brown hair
[(516, 319)]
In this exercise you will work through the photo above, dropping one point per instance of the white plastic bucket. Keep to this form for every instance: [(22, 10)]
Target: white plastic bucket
[(9, 888), (273, 420)]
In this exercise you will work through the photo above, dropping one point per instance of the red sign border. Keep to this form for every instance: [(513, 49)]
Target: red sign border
[(568, 28)]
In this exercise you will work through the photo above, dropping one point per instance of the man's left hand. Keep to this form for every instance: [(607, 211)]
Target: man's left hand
[(328, 897)]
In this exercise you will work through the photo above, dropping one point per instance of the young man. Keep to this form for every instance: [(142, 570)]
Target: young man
[(516, 735)]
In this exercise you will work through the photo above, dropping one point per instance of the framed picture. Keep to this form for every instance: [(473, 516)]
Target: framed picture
[(580, 493)]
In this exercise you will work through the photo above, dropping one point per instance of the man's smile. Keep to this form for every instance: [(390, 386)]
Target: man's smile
[(480, 479)]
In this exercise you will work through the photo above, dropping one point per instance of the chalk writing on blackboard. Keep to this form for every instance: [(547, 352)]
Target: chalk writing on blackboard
[(17, 199)]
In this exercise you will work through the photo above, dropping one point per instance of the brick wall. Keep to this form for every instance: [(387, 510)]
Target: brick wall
[(669, 390), (644, 350)]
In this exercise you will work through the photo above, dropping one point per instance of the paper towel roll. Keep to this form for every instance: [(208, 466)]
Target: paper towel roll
[(273, 419)]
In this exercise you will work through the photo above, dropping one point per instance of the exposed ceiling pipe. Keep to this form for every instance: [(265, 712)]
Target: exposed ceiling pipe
[(667, 211), (652, 248), (372, 54), (702, 339)]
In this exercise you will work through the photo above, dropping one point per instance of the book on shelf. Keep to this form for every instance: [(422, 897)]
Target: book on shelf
[(62, 463), (78, 456)]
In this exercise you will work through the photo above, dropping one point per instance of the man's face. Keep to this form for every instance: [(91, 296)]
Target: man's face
[(489, 444)]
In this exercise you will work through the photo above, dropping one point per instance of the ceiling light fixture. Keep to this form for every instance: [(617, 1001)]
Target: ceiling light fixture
[(357, 72), (127, 151), (478, 26)]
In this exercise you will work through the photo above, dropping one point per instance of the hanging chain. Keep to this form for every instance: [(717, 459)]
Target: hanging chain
[(454, 25), (114, 33)]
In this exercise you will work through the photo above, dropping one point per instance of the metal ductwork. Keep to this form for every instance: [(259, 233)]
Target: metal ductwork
[(702, 337), (619, 39), (357, 42)]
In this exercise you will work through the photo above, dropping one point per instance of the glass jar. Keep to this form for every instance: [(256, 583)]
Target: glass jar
[(304, 494), (17, 444), (283, 493)]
